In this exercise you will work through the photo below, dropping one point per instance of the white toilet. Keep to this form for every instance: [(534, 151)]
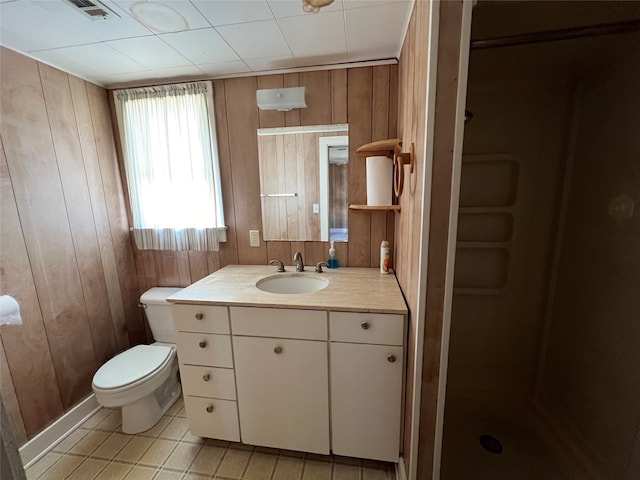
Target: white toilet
[(144, 379)]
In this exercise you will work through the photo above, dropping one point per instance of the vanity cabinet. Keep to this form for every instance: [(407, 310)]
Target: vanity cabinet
[(366, 384), (203, 340), (319, 372), (283, 383)]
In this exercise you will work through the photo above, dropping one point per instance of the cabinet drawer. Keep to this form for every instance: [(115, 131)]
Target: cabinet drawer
[(279, 322), (204, 349), (201, 318), (208, 382), (373, 328), (221, 422)]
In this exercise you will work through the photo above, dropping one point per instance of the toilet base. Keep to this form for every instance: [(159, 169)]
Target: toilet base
[(143, 414)]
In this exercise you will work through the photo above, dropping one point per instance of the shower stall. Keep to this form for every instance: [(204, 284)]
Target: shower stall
[(544, 356)]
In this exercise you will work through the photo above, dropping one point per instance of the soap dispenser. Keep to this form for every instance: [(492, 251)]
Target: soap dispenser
[(333, 261)]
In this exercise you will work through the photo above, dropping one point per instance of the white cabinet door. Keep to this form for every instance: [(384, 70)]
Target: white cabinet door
[(366, 395), (283, 397)]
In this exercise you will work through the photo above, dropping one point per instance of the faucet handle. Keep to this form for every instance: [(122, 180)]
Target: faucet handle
[(279, 263), (319, 266)]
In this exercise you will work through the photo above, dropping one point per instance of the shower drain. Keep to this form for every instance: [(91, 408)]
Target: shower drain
[(490, 444)]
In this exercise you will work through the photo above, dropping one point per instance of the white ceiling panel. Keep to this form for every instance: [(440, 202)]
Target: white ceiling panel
[(318, 60), (150, 52), (66, 62), (30, 27), (349, 4), (222, 37), (372, 32), (102, 57), (271, 63), (201, 46), (120, 25), (190, 71), (184, 8), (225, 12), (128, 77), (315, 35), (242, 38), (292, 8), (224, 68)]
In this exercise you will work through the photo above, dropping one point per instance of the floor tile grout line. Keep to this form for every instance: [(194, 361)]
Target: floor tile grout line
[(50, 466), (275, 466), (88, 455), (246, 466), (219, 461), (106, 464), (180, 442), (215, 471), (159, 468)]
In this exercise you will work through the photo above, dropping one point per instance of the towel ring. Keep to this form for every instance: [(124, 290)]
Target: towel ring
[(401, 159)]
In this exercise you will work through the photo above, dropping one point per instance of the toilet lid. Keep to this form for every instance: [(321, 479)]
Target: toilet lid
[(131, 366)]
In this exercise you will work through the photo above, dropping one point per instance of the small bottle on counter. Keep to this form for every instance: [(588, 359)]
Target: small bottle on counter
[(332, 262), (385, 257)]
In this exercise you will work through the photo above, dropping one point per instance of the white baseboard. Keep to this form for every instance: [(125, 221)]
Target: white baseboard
[(401, 473), (39, 445)]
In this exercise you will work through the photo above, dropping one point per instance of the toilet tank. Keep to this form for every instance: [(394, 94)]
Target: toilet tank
[(158, 312)]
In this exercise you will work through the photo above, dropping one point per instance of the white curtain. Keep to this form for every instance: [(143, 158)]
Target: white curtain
[(171, 164)]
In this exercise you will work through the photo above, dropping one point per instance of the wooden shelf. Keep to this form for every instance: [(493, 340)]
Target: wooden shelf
[(375, 208)]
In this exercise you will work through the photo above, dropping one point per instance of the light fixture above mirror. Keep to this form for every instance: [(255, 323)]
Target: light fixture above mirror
[(281, 99)]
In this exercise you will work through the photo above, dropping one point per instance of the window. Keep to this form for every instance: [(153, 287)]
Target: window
[(171, 164)]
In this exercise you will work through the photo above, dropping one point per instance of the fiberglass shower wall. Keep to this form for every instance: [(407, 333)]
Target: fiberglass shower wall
[(546, 306), (589, 383), (513, 155)]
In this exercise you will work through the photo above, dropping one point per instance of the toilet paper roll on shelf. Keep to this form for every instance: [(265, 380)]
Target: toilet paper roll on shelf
[(379, 180), (9, 311)]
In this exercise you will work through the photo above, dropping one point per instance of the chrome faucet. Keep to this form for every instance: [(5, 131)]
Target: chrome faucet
[(297, 258), (279, 263)]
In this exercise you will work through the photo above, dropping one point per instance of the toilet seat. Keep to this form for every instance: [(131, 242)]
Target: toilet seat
[(132, 367)]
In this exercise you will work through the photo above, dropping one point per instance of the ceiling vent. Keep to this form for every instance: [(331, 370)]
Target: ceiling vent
[(93, 9)]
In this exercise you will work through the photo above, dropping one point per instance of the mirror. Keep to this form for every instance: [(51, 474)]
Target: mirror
[(304, 182)]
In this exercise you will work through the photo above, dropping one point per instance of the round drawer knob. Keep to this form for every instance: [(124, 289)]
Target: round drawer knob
[(391, 358), (209, 408), (365, 325), (202, 343), (206, 377), (199, 316), (277, 350)]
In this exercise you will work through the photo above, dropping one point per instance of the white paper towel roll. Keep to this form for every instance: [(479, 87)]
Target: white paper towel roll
[(9, 311), (379, 180)]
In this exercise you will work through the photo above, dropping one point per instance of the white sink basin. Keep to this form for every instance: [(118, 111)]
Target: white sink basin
[(291, 283)]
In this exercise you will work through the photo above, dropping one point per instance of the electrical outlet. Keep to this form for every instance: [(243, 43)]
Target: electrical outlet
[(316, 208), (254, 238)]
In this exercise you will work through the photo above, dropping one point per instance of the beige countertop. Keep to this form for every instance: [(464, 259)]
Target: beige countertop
[(349, 289)]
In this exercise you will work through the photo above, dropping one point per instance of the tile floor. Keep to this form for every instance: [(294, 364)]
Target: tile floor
[(99, 450)]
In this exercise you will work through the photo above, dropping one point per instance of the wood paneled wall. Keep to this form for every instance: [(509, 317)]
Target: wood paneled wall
[(66, 255), (411, 127), (415, 64), (365, 98)]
